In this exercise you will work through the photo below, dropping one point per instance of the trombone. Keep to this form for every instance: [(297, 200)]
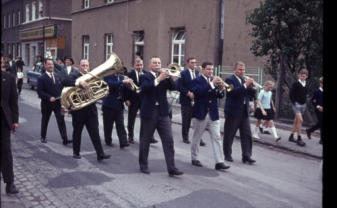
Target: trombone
[(133, 86)]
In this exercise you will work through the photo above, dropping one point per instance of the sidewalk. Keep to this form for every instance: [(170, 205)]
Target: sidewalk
[(312, 147)]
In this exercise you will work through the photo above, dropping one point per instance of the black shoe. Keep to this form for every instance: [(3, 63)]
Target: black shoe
[(221, 166), (299, 142), (229, 159), (153, 141), (266, 132), (145, 170), (131, 140), (248, 160), (308, 133), (77, 156), (124, 145), (196, 163), (109, 144), (65, 142), (291, 138), (43, 140), (261, 130), (11, 189), (277, 139), (186, 141), (202, 143), (175, 172), (103, 157)]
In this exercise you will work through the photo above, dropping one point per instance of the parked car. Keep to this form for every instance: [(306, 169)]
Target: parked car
[(32, 77)]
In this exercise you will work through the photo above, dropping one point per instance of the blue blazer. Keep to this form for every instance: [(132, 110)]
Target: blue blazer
[(205, 99), (114, 98), (235, 98), (46, 87), (184, 85), (317, 98), (152, 94)]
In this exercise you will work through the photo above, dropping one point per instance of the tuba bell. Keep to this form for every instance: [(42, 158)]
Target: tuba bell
[(75, 98)]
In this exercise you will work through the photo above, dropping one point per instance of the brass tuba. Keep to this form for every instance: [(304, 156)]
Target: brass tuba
[(75, 98)]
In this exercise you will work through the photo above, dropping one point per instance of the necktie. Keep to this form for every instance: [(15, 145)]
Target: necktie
[(52, 77), (137, 76), (193, 74)]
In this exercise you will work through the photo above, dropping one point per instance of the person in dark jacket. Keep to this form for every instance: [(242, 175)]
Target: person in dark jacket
[(317, 101), (9, 121), (298, 96)]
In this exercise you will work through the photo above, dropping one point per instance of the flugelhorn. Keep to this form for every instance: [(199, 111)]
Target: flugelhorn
[(254, 84), (221, 84), (173, 70), (133, 86)]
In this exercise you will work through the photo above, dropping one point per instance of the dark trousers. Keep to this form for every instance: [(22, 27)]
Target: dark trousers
[(46, 111), (186, 117), (6, 153), (111, 116), (86, 118), (19, 85), (147, 128), (318, 125), (232, 124), (132, 114)]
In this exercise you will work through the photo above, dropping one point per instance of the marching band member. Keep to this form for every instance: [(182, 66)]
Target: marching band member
[(206, 114), (237, 114), (86, 116), (186, 97), (154, 113)]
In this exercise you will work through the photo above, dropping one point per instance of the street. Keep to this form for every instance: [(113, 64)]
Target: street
[(48, 176)]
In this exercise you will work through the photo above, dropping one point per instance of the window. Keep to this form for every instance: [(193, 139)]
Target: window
[(5, 21), (40, 9), (108, 45), (86, 47), (27, 13), (178, 47), (14, 23), (18, 49), (14, 50), (86, 4), (9, 20), (33, 10), (138, 44), (19, 17)]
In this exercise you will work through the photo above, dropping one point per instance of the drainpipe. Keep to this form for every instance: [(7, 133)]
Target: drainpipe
[(221, 32)]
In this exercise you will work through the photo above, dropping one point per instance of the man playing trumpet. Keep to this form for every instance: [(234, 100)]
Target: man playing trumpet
[(206, 114)]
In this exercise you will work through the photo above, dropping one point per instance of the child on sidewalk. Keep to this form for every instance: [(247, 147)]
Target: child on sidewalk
[(265, 111)]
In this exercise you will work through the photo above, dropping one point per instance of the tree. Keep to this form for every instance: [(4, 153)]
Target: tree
[(290, 34)]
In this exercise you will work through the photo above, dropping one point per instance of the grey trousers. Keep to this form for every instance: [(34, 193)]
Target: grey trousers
[(147, 128), (214, 130)]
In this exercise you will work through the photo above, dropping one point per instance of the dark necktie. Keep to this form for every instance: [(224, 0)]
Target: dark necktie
[(52, 77), (193, 74)]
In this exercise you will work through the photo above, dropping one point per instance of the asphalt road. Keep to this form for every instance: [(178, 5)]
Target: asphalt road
[(48, 176)]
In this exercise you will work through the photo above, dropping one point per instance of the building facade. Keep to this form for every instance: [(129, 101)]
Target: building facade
[(212, 30), (36, 27)]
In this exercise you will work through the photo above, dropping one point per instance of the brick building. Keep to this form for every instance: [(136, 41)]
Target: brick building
[(33, 27), (174, 30)]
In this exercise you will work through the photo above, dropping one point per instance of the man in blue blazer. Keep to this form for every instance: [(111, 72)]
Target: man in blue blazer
[(186, 97), (154, 113), (113, 109), (206, 114), (49, 88), (317, 101), (237, 114)]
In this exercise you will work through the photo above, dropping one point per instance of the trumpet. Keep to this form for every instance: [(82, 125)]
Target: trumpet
[(221, 84), (133, 86), (254, 84), (173, 70)]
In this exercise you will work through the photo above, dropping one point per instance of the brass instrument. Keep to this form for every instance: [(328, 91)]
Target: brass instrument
[(133, 86), (75, 98), (254, 84), (221, 85), (173, 70)]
